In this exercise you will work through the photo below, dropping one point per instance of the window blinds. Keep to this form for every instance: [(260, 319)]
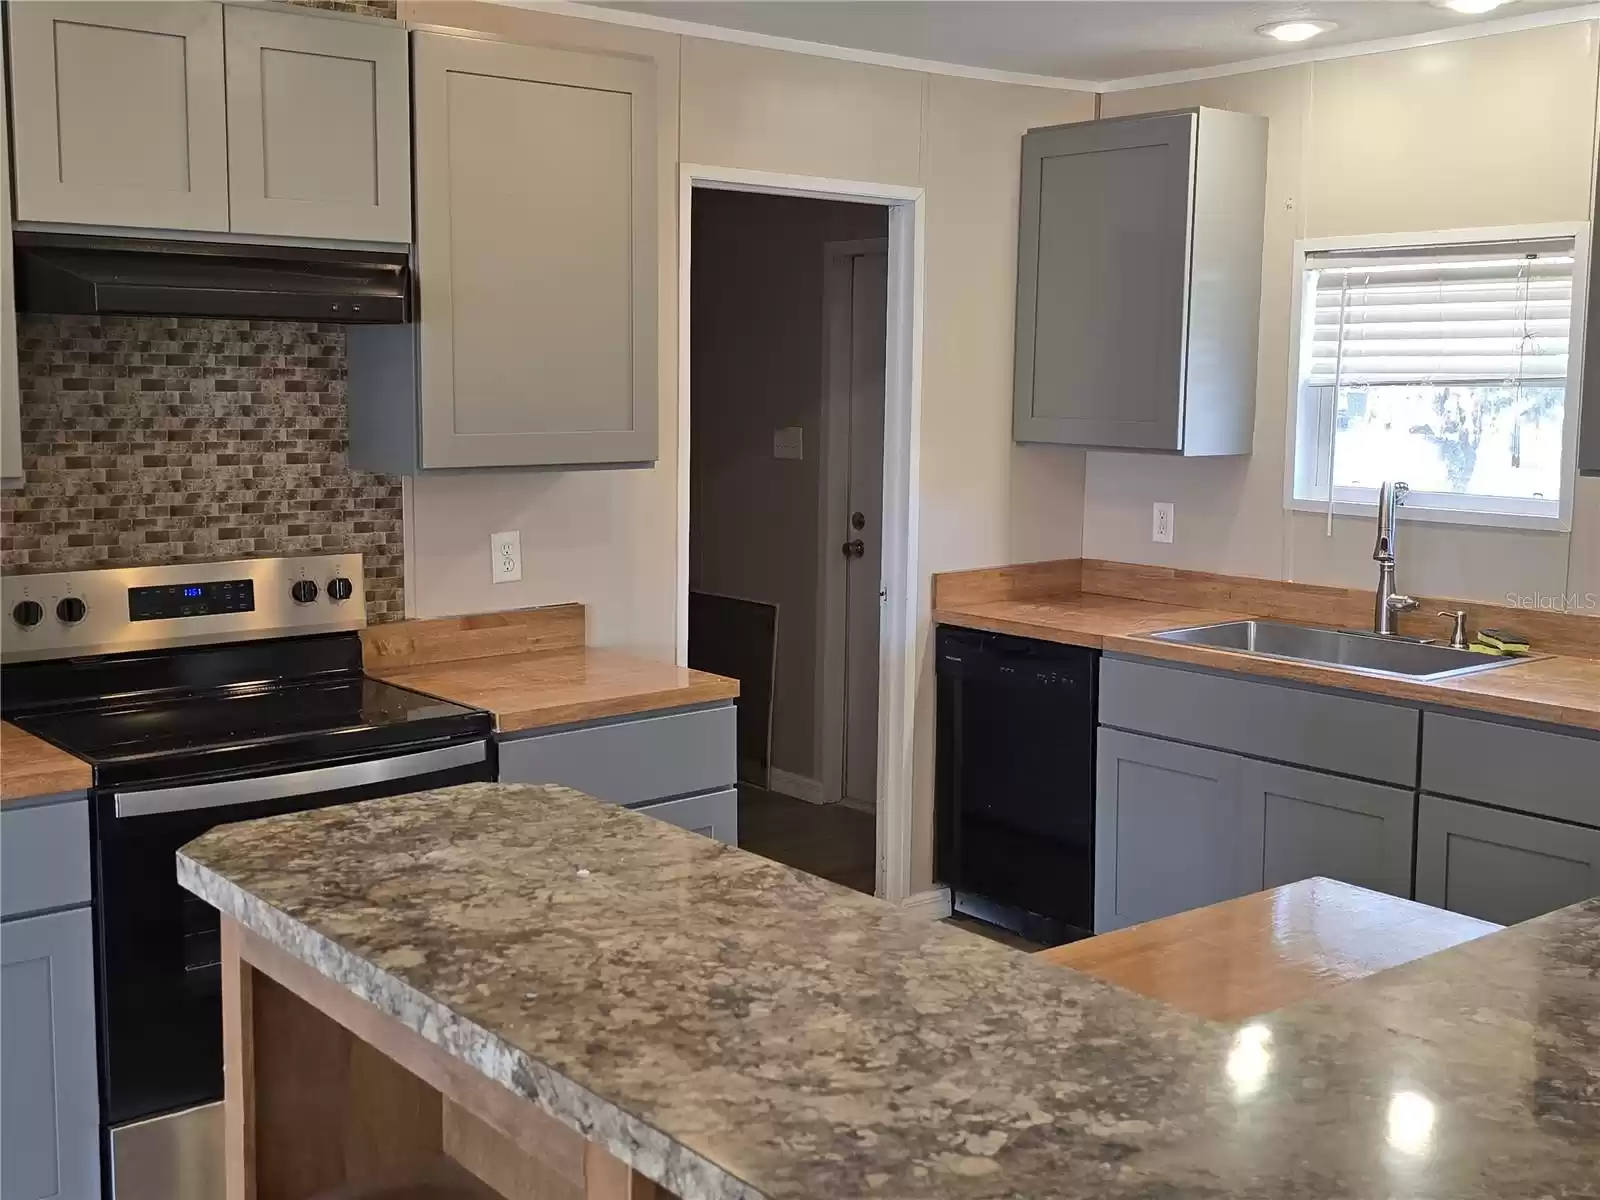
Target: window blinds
[(1480, 314)]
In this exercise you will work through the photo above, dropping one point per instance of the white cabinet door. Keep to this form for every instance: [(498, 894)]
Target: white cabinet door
[(10, 393), (319, 132), (118, 113), (50, 1113), (536, 254)]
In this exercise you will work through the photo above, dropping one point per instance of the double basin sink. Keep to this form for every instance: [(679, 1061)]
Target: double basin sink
[(1368, 653)]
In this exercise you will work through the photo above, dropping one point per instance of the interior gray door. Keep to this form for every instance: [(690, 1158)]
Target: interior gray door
[(49, 1097), (1102, 282)]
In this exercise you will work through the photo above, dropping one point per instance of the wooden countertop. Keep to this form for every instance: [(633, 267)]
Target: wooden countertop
[(30, 767), (1266, 951), (1559, 689), (556, 687)]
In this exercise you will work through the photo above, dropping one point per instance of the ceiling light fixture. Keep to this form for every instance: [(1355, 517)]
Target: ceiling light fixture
[(1300, 30), (1470, 7)]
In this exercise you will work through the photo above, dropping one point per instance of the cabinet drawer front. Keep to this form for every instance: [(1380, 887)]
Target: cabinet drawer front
[(44, 857), (716, 814), (1502, 866), (50, 1119), (1552, 774), (1366, 738), (630, 762)]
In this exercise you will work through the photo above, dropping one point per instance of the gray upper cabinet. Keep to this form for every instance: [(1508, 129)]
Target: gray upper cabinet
[(1502, 866), (118, 114), (319, 129), (10, 394), (1312, 824), (1139, 282), (536, 254), (1172, 830), (50, 1108)]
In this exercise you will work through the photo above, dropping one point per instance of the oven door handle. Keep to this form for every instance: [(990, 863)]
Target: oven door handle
[(297, 783)]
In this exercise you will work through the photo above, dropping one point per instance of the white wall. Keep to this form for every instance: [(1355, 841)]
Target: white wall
[(609, 538), (757, 366), (1496, 131)]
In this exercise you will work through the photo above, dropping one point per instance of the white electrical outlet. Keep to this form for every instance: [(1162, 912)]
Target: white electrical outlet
[(1161, 522), (505, 556)]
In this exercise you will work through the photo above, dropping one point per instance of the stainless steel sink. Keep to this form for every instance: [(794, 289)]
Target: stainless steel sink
[(1368, 653)]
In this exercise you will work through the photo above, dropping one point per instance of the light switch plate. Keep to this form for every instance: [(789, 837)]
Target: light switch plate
[(505, 556), (789, 442), (1161, 522)]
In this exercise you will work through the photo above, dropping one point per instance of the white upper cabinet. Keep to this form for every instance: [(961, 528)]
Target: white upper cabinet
[(117, 112), (10, 397), (319, 138), (536, 254), (189, 115)]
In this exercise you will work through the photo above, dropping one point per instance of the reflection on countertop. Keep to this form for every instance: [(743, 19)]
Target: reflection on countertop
[(735, 1028)]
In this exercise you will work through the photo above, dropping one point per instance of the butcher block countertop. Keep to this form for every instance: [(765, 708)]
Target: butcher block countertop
[(733, 1029), (31, 767), (1559, 689), (1268, 950), (531, 669)]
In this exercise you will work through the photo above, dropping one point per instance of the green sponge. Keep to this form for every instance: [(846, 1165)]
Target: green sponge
[(1504, 640)]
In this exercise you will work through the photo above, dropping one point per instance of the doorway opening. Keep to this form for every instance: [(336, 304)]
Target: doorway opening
[(796, 393)]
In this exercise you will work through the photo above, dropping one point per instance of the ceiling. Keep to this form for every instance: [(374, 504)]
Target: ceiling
[(1098, 40)]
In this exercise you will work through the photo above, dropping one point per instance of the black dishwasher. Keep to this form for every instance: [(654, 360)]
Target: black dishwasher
[(1014, 781)]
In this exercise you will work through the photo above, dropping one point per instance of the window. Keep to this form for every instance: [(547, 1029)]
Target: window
[(1445, 362)]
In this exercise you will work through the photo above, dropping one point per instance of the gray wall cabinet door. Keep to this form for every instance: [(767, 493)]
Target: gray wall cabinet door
[(119, 114), (1172, 830), (715, 814), (49, 1099), (1502, 866), (319, 126), (1312, 824), (1139, 282), (10, 392), (536, 254)]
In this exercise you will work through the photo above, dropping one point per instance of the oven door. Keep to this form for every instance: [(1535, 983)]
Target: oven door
[(160, 959)]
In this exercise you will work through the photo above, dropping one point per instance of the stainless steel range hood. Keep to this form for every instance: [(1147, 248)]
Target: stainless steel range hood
[(68, 273)]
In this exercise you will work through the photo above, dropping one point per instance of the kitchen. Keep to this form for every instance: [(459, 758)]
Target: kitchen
[(1472, 146)]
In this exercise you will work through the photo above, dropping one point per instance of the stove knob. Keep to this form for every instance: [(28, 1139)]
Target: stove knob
[(340, 588), (304, 591), (71, 610), (27, 613)]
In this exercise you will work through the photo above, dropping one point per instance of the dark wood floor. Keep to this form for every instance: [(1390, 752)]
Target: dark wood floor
[(829, 840)]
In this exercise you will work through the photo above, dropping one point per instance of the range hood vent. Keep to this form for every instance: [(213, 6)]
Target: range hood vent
[(68, 273)]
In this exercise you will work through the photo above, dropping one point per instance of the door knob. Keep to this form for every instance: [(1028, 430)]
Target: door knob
[(854, 548), (858, 521)]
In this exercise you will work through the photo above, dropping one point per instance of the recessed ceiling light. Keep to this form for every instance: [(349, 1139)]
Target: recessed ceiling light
[(1470, 6), (1299, 31)]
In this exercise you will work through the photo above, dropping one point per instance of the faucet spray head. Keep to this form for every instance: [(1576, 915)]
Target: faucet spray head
[(1390, 497)]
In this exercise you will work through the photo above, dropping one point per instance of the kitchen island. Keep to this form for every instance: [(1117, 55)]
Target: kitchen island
[(726, 1027)]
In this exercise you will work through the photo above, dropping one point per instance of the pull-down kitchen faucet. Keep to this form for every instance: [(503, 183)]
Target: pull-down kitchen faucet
[(1389, 602)]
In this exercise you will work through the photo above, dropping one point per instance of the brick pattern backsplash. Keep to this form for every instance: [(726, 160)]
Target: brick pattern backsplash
[(169, 440), (388, 9)]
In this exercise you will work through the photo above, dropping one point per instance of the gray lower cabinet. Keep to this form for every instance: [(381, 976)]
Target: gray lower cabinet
[(1168, 822), (49, 1098), (680, 766), (1502, 866), (715, 814), (1313, 824)]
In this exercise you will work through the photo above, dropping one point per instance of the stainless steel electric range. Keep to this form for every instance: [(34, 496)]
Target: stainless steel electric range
[(202, 695)]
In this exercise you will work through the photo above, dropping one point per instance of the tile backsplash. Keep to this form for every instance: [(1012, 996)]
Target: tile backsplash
[(168, 440)]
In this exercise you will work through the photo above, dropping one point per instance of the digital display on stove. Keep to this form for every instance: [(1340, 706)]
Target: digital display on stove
[(191, 599)]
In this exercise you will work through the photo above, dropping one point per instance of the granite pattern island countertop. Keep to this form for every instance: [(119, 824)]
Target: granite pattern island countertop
[(733, 1028)]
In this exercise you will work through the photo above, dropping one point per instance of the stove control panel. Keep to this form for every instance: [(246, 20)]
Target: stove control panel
[(77, 613)]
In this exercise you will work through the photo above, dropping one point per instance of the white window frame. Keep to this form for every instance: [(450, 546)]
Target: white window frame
[(1448, 508)]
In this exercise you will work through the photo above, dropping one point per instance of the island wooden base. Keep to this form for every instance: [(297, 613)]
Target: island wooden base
[(330, 1099)]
